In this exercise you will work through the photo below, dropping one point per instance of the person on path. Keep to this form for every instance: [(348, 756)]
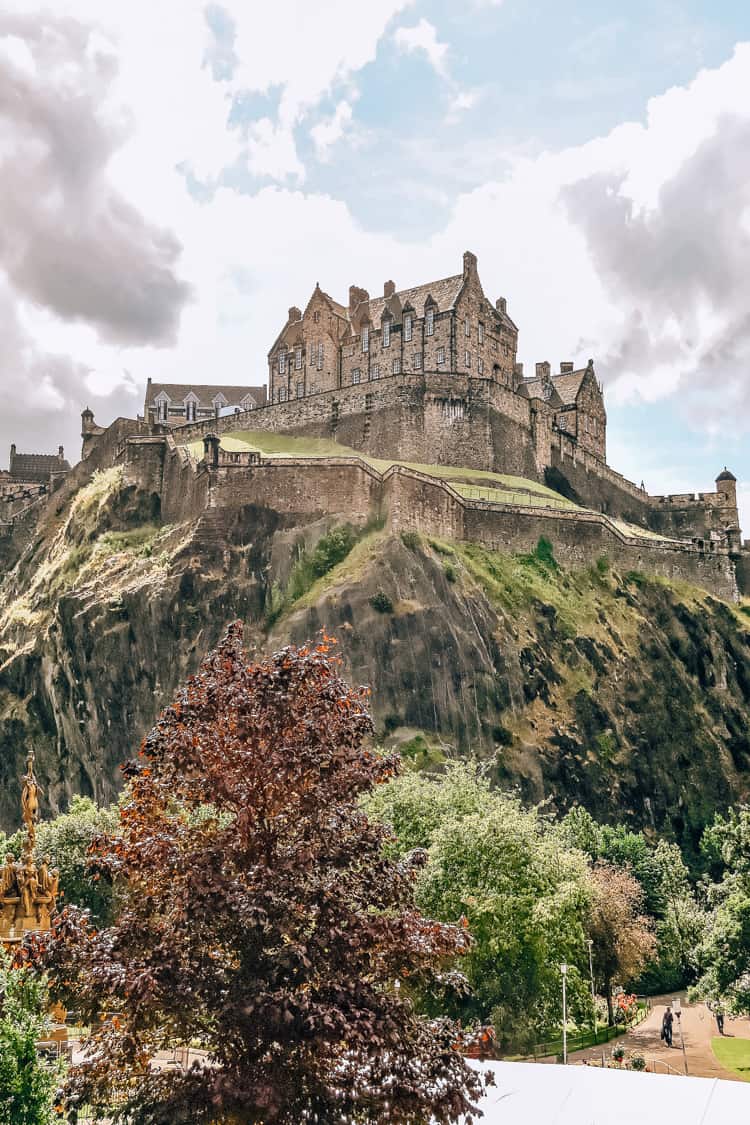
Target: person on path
[(719, 1013), (666, 1027)]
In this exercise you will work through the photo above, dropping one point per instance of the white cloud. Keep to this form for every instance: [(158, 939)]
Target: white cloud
[(423, 37), (544, 233), (331, 129), (461, 103)]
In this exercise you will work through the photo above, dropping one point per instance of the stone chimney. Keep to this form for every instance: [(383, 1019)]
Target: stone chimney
[(356, 297), (501, 305), (565, 367), (60, 453), (295, 314), (543, 370), (470, 264), (389, 288)]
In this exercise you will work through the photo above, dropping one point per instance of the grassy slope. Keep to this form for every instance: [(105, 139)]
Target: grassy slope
[(734, 1054), (474, 484)]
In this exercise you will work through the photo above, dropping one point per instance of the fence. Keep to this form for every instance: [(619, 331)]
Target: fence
[(596, 1038)]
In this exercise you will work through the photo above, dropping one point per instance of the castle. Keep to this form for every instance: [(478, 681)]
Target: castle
[(445, 327), (426, 376)]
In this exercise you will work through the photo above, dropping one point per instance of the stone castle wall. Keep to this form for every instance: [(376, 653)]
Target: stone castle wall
[(300, 490)]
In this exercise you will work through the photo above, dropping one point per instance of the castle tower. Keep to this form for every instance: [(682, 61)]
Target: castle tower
[(726, 487)]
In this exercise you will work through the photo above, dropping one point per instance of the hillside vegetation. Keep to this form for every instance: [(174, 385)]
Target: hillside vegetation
[(630, 696)]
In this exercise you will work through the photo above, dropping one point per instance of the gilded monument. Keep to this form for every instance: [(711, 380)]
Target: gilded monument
[(28, 890)]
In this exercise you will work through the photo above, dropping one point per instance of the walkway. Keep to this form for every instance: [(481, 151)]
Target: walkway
[(698, 1028)]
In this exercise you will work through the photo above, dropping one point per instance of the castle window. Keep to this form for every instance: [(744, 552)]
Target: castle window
[(480, 332), (162, 410), (356, 374), (429, 320), (417, 361), (480, 365), (586, 423), (407, 327), (375, 372), (396, 366), (320, 356), (386, 333), (467, 359), (300, 390), (282, 363), (297, 358), (467, 327), (282, 394), (316, 317), (365, 339), (441, 355), (190, 410)]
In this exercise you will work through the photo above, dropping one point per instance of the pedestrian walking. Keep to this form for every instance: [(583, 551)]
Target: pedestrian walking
[(666, 1027), (719, 1013)]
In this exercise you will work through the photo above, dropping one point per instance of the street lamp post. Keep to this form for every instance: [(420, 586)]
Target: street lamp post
[(677, 1009), (564, 971), (590, 943)]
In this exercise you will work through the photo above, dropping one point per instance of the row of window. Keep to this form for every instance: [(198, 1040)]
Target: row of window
[(191, 409)]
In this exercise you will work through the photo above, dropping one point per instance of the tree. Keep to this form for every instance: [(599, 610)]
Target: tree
[(260, 915), (27, 1082), (66, 840), (623, 941), (725, 954), (523, 891)]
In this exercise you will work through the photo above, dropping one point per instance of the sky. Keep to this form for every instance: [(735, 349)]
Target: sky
[(174, 176)]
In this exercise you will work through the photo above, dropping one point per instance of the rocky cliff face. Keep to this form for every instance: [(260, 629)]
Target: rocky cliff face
[(627, 695)]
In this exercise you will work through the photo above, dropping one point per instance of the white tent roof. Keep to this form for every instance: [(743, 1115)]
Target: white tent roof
[(539, 1094)]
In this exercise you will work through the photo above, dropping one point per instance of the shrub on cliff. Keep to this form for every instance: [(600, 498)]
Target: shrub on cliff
[(261, 916)]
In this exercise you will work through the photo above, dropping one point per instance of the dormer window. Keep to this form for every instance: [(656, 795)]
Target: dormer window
[(407, 327), (386, 333), (365, 339), (429, 321), (282, 363), (162, 409), (190, 410)]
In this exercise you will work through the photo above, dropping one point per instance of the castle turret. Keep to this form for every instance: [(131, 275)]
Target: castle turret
[(726, 486)]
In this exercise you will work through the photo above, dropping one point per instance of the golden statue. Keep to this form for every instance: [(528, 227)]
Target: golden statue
[(30, 802), (28, 891)]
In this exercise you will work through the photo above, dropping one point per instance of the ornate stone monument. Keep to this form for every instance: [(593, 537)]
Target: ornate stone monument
[(28, 891)]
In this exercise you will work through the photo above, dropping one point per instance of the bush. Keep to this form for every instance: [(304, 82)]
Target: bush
[(618, 1053), (381, 602), (602, 565), (411, 540), (449, 571), (637, 1062), (544, 554), (332, 549)]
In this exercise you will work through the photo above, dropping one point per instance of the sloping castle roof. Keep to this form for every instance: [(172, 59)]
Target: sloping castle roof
[(205, 393), (567, 385)]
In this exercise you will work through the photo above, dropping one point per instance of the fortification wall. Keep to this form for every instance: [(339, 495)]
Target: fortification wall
[(742, 568), (578, 538), (427, 419), (593, 484)]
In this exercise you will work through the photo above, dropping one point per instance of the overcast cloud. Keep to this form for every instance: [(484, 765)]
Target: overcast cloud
[(679, 272), (161, 205)]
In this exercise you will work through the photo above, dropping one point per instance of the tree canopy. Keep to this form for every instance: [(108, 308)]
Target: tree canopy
[(260, 915)]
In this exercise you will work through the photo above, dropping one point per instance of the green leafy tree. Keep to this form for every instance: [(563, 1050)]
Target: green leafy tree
[(522, 889), (260, 916), (27, 1081), (66, 840), (725, 951)]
